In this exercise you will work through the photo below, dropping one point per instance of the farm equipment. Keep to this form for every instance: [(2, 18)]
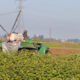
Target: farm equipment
[(37, 47), (15, 41), (27, 45)]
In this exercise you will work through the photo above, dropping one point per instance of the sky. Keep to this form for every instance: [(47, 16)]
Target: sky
[(39, 16)]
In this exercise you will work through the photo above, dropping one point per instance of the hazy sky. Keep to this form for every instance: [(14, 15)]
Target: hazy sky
[(62, 16)]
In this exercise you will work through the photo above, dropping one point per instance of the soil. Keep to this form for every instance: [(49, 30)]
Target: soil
[(64, 51)]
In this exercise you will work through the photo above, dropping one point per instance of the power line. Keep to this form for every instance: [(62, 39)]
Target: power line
[(3, 29), (8, 13)]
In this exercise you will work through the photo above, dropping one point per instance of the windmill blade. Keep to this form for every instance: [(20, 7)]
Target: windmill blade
[(12, 30), (3, 29)]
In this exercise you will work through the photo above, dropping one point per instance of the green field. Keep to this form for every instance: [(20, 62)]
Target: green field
[(58, 44), (29, 66)]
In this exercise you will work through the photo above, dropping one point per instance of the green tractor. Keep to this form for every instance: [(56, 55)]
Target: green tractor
[(31, 46), (27, 45), (36, 47)]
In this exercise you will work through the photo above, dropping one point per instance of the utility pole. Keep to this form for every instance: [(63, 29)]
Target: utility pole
[(50, 34), (20, 4), (20, 7)]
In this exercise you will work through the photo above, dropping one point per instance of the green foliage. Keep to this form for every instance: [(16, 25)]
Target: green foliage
[(27, 66)]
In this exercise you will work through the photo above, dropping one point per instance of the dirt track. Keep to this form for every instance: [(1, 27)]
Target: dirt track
[(64, 51)]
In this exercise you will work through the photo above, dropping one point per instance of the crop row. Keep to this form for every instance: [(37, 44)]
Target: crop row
[(27, 66)]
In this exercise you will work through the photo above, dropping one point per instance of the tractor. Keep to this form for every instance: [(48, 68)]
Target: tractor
[(28, 44), (36, 47)]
